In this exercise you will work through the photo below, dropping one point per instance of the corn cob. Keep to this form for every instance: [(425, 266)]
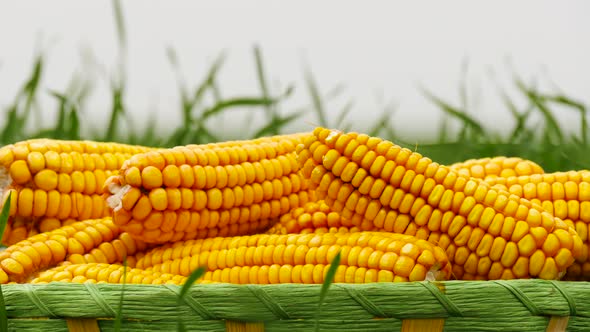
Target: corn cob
[(489, 168), (44, 250), (59, 179), (303, 258), (124, 247), (566, 195), (487, 233), (19, 228), (105, 273), (197, 191), (316, 217)]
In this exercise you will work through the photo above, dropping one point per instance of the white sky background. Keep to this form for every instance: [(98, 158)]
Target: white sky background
[(382, 51)]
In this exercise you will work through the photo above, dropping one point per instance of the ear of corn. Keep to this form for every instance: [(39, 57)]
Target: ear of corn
[(105, 273), (487, 233), (19, 228), (58, 179), (121, 249), (317, 217), (490, 168), (19, 261), (303, 258), (392, 214), (199, 191), (566, 195)]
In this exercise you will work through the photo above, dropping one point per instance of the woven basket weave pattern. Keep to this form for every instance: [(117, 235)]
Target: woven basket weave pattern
[(516, 305)]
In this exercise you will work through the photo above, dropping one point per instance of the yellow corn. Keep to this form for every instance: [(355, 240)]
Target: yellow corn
[(566, 195), (105, 273), (303, 258), (44, 250), (489, 168), (124, 247), (59, 179), (198, 191), (19, 228), (317, 217), (487, 233)]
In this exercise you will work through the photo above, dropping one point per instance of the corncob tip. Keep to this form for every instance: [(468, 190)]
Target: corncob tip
[(437, 273), (111, 183), (115, 200)]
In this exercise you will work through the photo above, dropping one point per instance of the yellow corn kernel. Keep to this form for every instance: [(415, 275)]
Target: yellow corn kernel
[(109, 273), (196, 191), (457, 203), (491, 168), (306, 260), (50, 248), (42, 172)]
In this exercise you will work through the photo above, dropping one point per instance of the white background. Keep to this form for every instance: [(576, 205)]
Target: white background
[(382, 51)]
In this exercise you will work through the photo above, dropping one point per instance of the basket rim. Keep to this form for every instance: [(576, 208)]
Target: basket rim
[(412, 300)]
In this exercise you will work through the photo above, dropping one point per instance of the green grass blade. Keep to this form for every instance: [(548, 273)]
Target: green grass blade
[(192, 278), (466, 119), (73, 131), (209, 79), (119, 314), (316, 99), (335, 92), (31, 87), (3, 221), (13, 128), (274, 126), (553, 131), (463, 83), (61, 113), (563, 100), (216, 91), (260, 74), (443, 130), (184, 96), (465, 131), (326, 285), (117, 110), (343, 114), (519, 118), (120, 23), (576, 159), (4, 215), (150, 137), (329, 278), (380, 124), (236, 102), (173, 57), (177, 138)]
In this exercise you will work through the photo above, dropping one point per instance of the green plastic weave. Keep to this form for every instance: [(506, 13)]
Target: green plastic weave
[(517, 305)]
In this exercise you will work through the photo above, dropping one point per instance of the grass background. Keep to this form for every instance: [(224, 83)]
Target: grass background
[(535, 134)]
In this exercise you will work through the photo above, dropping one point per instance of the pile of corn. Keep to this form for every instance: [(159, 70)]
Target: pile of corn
[(280, 209)]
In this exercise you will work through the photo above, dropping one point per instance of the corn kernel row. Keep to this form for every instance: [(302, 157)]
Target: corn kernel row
[(105, 273), (44, 250), (490, 168), (263, 258), (358, 174), (207, 190)]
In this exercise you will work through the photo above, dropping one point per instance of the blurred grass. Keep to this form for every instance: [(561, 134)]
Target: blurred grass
[(544, 142)]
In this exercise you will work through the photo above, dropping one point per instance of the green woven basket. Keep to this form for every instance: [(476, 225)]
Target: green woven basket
[(517, 305)]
